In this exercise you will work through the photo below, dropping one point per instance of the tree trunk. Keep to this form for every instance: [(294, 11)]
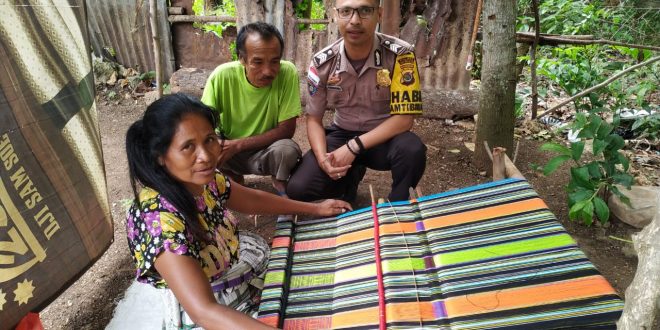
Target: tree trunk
[(249, 11), (643, 294), (333, 32), (498, 84), (391, 17)]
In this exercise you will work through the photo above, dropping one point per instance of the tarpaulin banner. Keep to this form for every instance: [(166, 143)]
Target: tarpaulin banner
[(54, 214)]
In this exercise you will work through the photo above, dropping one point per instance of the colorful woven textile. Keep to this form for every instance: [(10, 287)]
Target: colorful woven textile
[(484, 257)]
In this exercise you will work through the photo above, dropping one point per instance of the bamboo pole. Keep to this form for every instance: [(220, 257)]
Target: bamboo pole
[(153, 19), (200, 19), (473, 39), (532, 58), (230, 19)]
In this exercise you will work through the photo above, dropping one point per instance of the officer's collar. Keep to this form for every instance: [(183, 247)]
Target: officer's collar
[(375, 60)]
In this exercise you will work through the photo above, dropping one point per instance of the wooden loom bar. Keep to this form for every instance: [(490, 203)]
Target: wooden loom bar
[(379, 268)]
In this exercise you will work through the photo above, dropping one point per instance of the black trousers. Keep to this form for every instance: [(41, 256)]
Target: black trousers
[(404, 155)]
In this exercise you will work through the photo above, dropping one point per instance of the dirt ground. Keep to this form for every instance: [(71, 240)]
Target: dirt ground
[(90, 301)]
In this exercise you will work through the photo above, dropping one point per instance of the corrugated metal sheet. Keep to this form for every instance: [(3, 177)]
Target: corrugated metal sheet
[(123, 25)]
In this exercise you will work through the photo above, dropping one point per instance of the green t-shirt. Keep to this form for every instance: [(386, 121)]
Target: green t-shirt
[(246, 110)]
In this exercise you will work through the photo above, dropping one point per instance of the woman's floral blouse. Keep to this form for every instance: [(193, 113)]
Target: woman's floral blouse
[(153, 225)]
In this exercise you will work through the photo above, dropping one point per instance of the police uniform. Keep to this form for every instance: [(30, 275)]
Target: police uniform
[(387, 84)]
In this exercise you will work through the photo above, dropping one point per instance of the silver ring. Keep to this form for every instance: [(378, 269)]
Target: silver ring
[(338, 176)]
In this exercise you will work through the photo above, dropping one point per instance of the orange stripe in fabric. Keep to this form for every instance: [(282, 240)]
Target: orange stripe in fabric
[(315, 244), (396, 312), (355, 236), (445, 221), (279, 242), (545, 294), (270, 320), (485, 213), (318, 322)]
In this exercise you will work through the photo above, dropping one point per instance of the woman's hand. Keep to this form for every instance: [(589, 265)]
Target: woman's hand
[(332, 206)]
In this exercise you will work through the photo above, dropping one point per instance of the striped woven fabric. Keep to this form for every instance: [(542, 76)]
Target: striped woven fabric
[(484, 257)]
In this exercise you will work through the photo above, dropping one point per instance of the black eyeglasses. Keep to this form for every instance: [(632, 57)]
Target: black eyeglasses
[(363, 12)]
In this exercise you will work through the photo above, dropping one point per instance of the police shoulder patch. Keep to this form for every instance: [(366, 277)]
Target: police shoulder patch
[(395, 45), (326, 54)]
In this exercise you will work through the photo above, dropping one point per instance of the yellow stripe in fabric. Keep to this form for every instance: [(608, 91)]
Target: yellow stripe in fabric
[(274, 277), (406, 264), (354, 273), (500, 250), (310, 281)]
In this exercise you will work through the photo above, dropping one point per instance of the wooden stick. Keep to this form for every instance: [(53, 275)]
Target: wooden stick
[(230, 19), (473, 39), (153, 19), (499, 168), (175, 10), (201, 19), (490, 154), (603, 84), (419, 192), (515, 152), (503, 167), (379, 267), (532, 58), (525, 37)]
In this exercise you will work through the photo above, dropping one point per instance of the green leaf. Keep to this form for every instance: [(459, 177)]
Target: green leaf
[(587, 132), (581, 176), (603, 130), (623, 160), (556, 147), (580, 120), (587, 213), (599, 146), (614, 142), (621, 196), (595, 122), (554, 163), (602, 211), (623, 179), (576, 209), (614, 66), (579, 195), (576, 150), (594, 170)]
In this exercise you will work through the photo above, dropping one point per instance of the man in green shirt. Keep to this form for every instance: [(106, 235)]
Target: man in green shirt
[(258, 101)]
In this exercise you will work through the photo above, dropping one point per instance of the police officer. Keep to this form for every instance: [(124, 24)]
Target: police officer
[(372, 82)]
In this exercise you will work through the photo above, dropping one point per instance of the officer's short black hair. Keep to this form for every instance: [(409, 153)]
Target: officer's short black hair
[(376, 3), (264, 30)]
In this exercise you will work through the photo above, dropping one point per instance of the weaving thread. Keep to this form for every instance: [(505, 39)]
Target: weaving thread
[(379, 266), (405, 241)]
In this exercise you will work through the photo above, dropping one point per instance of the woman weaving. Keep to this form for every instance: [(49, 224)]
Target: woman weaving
[(179, 232)]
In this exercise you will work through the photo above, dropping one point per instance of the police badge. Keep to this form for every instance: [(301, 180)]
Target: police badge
[(383, 78), (334, 79), (407, 78)]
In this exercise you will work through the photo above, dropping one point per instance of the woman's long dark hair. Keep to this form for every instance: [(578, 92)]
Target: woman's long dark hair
[(149, 138)]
